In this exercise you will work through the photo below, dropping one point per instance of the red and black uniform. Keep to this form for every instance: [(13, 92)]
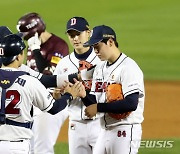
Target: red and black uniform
[(50, 53)]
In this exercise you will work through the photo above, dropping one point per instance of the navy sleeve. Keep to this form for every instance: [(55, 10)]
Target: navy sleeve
[(48, 80), (129, 103), (89, 99), (60, 104), (40, 60)]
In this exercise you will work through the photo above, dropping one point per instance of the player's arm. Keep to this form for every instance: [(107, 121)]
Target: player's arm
[(44, 100), (41, 62), (129, 103), (61, 103), (88, 99), (34, 45), (48, 80), (56, 80), (71, 92)]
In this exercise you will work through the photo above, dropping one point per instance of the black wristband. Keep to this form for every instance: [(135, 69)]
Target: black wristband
[(72, 76), (69, 95)]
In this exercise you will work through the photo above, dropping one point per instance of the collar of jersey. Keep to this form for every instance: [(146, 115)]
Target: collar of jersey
[(83, 56)]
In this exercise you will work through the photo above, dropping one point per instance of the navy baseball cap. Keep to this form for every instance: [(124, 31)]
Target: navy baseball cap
[(4, 31), (79, 24), (100, 33)]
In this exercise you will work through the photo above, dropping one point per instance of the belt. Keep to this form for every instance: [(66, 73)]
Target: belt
[(11, 141), (88, 119)]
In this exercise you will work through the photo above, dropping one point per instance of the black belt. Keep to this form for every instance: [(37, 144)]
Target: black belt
[(12, 141), (88, 119)]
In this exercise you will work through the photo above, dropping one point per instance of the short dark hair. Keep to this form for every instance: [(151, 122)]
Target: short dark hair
[(115, 42)]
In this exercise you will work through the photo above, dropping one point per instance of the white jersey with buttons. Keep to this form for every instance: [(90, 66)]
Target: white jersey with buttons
[(19, 103), (69, 65), (126, 72)]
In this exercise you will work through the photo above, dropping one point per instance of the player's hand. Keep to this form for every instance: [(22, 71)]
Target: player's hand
[(57, 93), (34, 42), (80, 88), (72, 89), (91, 110)]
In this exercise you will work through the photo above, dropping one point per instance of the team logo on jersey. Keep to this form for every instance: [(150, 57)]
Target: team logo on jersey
[(72, 126), (101, 86), (55, 59), (49, 96), (84, 65), (65, 70), (5, 82), (112, 77)]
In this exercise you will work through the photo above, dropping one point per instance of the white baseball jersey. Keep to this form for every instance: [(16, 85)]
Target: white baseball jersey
[(19, 100), (27, 69), (68, 65), (126, 72)]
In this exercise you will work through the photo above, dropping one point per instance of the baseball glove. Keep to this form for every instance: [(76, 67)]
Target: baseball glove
[(114, 93)]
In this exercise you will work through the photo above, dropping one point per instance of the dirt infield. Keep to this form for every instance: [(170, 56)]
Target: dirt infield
[(162, 111)]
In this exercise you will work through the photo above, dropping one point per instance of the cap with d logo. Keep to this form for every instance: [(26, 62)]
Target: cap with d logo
[(79, 24)]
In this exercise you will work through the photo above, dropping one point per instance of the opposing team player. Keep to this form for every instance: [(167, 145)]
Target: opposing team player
[(83, 131), (45, 50), (46, 80), (19, 92), (118, 136)]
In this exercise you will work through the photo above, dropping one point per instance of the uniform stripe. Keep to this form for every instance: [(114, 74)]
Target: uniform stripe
[(131, 140), (38, 76), (105, 121), (73, 63), (49, 105), (132, 91), (93, 59)]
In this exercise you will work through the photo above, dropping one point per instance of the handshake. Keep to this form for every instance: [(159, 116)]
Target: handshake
[(76, 90), (75, 86)]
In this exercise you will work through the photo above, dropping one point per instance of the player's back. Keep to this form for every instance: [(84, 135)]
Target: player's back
[(25, 91)]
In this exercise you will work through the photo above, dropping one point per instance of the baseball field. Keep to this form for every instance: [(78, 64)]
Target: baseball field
[(148, 32)]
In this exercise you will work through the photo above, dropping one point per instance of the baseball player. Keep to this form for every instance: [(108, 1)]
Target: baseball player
[(19, 92), (46, 80), (83, 131), (45, 50), (121, 136)]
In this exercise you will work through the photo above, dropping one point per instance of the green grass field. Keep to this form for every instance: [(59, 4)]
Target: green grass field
[(62, 148), (147, 31)]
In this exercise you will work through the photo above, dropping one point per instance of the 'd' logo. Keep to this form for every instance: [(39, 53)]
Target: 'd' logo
[(5, 81), (73, 21)]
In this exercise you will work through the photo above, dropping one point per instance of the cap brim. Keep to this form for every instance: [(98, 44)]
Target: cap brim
[(92, 42), (74, 30), (4, 31), (20, 34)]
